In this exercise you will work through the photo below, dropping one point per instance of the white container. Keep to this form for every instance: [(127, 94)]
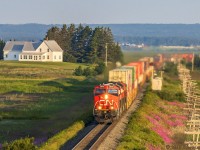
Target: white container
[(121, 75)]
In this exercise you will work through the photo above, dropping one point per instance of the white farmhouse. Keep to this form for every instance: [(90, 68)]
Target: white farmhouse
[(48, 50)]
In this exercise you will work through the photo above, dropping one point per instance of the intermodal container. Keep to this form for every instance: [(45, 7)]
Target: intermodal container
[(140, 66), (123, 75), (146, 61), (133, 68)]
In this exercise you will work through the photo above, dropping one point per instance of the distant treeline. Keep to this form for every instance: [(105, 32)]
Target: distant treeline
[(84, 44), (157, 41)]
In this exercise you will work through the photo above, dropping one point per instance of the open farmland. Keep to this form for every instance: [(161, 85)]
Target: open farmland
[(40, 99)]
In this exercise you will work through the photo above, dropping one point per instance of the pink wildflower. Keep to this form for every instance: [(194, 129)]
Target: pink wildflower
[(178, 116), (164, 135), (157, 117)]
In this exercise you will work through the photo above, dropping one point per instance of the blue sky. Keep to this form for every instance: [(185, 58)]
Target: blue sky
[(99, 11)]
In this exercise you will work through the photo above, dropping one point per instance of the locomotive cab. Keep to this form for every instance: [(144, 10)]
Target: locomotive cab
[(109, 101)]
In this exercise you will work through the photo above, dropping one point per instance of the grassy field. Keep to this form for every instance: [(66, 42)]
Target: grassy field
[(41, 99)]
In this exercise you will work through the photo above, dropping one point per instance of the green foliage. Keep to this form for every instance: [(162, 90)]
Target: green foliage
[(196, 61), (40, 97), (138, 133), (21, 144), (2, 44), (171, 90), (68, 57), (100, 68), (89, 72), (170, 68), (78, 71), (57, 141), (86, 45)]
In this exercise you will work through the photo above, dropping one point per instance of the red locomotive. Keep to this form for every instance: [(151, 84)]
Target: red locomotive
[(109, 101)]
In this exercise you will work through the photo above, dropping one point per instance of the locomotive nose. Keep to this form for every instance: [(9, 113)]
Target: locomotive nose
[(106, 96)]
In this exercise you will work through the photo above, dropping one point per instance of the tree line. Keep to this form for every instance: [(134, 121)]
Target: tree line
[(158, 41), (85, 45)]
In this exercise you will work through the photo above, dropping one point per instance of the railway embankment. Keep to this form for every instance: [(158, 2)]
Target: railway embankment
[(159, 122)]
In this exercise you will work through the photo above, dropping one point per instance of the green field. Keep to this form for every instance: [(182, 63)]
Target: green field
[(41, 99)]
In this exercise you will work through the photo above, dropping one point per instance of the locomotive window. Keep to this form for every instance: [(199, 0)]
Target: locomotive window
[(113, 92), (100, 91)]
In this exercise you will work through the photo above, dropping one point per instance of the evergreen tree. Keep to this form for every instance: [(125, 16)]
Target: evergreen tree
[(2, 44), (82, 44)]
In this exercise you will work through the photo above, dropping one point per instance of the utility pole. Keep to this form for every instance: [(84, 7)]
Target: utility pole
[(106, 61)]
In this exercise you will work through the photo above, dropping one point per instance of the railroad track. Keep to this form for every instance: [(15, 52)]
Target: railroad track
[(95, 137), (96, 133)]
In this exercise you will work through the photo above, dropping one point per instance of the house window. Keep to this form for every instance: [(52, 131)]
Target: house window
[(55, 57), (30, 57), (60, 57), (6, 56), (35, 57), (47, 50), (39, 57), (15, 56), (47, 56), (40, 50), (43, 57)]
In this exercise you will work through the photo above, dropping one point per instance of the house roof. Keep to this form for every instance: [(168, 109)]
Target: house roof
[(53, 45), (20, 46), (30, 46), (13, 45)]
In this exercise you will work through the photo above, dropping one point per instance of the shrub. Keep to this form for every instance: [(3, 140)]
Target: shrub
[(78, 71), (20, 144), (100, 68), (171, 68), (89, 72)]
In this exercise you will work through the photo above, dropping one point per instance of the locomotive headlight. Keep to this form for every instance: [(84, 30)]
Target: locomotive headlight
[(99, 107), (106, 96)]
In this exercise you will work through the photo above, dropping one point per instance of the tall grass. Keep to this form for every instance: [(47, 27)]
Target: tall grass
[(154, 124), (35, 95)]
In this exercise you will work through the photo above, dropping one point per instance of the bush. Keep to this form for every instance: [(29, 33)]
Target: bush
[(78, 71), (21, 144), (100, 68), (171, 68), (89, 72)]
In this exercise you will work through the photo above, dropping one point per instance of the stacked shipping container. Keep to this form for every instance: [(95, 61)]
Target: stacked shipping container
[(133, 74)]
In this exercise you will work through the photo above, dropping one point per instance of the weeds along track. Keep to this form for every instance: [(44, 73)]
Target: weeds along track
[(94, 137)]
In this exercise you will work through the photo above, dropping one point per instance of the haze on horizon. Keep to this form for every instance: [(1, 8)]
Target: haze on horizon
[(99, 12)]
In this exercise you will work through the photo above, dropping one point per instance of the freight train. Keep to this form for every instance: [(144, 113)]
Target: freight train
[(113, 98)]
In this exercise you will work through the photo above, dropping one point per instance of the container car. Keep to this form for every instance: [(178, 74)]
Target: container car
[(113, 98)]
